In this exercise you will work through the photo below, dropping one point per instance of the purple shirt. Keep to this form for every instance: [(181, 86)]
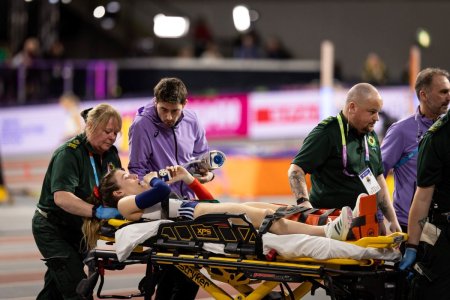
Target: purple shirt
[(401, 139), (154, 146)]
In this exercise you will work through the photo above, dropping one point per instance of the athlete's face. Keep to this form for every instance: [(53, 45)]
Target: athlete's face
[(169, 113), (129, 184), (436, 97)]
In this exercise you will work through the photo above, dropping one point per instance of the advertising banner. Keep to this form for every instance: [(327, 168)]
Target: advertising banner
[(283, 114), (222, 116)]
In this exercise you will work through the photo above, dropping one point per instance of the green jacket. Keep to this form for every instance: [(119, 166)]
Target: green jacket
[(433, 162), (321, 156), (70, 170)]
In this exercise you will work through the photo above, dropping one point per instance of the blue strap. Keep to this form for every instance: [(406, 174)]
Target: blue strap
[(406, 158), (91, 157)]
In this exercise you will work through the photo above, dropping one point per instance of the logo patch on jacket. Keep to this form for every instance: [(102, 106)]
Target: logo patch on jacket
[(73, 144)]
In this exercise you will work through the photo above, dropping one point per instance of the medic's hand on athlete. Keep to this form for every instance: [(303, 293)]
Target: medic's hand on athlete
[(102, 212)]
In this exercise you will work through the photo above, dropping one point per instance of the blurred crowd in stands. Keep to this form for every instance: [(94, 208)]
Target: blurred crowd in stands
[(36, 75)]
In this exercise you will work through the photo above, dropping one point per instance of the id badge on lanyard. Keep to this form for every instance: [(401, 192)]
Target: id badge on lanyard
[(369, 181)]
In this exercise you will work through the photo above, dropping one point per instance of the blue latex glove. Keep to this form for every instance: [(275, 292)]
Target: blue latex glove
[(102, 212), (408, 259)]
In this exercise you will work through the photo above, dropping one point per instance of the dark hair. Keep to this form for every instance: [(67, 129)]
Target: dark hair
[(425, 77), (91, 226), (84, 113), (171, 90)]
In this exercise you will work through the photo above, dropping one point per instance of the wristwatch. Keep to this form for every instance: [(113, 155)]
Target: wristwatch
[(301, 200)]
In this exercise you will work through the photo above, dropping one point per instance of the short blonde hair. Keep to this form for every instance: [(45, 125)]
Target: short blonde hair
[(99, 116)]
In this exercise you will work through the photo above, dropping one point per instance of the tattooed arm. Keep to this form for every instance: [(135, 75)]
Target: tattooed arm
[(385, 205), (419, 212), (297, 181)]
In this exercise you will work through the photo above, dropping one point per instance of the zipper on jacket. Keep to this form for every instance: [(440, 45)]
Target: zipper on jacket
[(178, 162)]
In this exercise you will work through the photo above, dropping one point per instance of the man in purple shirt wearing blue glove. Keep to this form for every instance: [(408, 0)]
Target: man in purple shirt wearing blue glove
[(164, 134), (400, 145)]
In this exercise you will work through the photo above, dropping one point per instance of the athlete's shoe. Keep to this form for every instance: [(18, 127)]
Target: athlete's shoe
[(356, 209), (338, 228)]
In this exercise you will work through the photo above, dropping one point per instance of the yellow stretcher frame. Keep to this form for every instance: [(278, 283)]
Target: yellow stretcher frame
[(309, 272), (239, 271)]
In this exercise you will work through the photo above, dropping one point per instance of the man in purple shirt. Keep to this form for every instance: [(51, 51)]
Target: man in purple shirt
[(164, 134), (400, 145)]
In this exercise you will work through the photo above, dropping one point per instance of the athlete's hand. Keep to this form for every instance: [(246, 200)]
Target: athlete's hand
[(408, 259), (148, 177), (209, 176), (180, 173)]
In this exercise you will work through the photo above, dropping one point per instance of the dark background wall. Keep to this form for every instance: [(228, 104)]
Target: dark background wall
[(387, 27), (355, 27)]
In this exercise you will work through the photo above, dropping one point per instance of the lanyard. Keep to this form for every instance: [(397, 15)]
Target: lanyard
[(91, 157), (344, 147)]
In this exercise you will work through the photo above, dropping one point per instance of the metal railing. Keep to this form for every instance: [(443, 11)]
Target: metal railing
[(44, 81)]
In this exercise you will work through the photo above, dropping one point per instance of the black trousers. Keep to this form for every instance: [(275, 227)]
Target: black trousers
[(436, 265), (174, 285), (60, 248)]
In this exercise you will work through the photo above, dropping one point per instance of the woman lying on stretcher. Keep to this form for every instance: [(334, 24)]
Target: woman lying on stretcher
[(137, 199)]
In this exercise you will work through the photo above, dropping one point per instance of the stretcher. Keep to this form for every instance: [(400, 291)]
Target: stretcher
[(213, 249)]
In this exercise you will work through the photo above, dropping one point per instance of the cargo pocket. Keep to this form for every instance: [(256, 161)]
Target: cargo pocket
[(65, 274), (436, 258)]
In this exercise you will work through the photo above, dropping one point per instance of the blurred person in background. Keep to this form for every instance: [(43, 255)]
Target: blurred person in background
[(163, 134), (343, 156), (75, 169), (275, 49), (400, 145), (74, 124), (186, 51), (429, 216), (248, 46), (25, 57), (26, 61), (55, 56), (374, 70), (211, 51), (201, 35)]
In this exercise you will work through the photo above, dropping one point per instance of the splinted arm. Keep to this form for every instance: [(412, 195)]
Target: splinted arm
[(200, 190), (159, 191)]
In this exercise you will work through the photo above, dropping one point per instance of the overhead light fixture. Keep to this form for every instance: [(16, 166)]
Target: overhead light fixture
[(423, 38), (241, 18), (99, 12), (170, 27)]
